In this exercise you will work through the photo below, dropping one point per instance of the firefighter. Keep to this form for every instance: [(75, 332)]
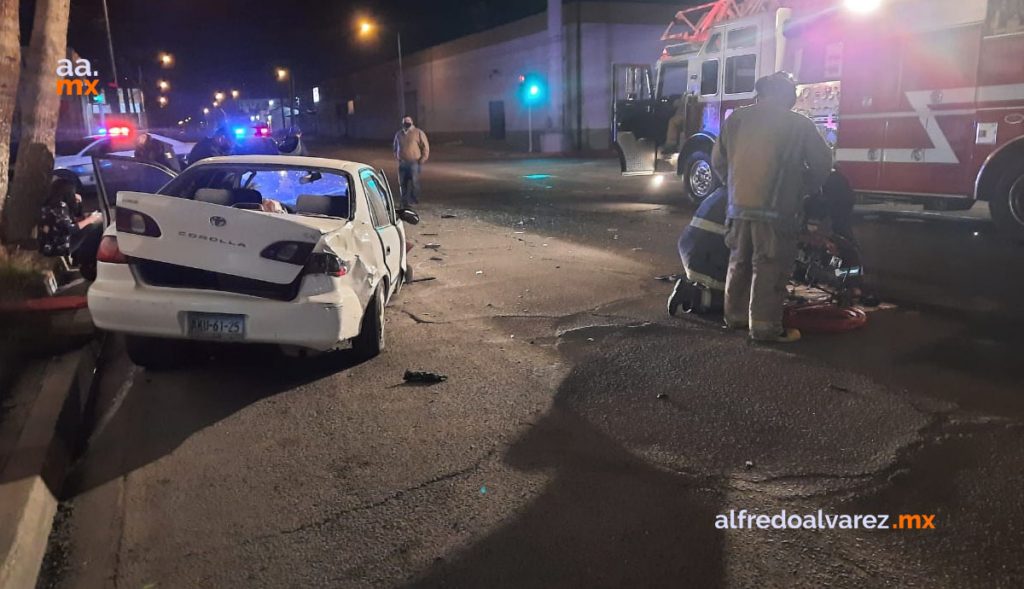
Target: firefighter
[(769, 158), (705, 258), (676, 126)]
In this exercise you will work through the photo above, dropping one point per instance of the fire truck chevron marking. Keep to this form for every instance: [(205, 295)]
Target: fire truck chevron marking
[(921, 101)]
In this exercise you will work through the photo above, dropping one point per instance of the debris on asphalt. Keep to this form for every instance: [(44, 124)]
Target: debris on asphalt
[(479, 271), (436, 259), (429, 234), (836, 387), (748, 464), (663, 396), (423, 377), (449, 216), (432, 246), (424, 279), (668, 277)]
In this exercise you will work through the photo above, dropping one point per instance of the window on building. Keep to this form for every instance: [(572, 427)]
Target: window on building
[(741, 38), (740, 74), (673, 80), (709, 77)]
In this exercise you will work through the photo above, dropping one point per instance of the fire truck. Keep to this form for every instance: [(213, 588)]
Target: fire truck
[(921, 100)]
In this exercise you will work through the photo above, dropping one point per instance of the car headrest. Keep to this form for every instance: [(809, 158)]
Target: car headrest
[(334, 206), (246, 196), (217, 196)]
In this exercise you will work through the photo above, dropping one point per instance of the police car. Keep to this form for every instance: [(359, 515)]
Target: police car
[(74, 158)]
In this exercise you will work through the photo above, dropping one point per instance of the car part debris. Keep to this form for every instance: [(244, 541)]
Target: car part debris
[(424, 279), (423, 377), (449, 216), (432, 246)]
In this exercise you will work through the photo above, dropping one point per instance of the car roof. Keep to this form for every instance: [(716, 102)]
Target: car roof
[(284, 160)]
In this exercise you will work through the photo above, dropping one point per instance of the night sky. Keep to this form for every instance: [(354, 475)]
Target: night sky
[(225, 44)]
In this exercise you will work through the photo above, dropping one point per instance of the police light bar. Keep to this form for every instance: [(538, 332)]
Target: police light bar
[(116, 131)]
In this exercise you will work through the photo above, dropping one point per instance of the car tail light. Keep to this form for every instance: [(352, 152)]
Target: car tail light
[(134, 222), (109, 252), (289, 252), (322, 263)]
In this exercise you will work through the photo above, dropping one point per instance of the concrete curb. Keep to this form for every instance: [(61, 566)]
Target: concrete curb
[(31, 480)]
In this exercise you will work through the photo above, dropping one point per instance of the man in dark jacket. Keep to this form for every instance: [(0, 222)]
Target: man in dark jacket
[(152, 150), (219, 144)]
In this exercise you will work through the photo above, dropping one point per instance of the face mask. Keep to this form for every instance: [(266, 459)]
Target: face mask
[(407, 126)]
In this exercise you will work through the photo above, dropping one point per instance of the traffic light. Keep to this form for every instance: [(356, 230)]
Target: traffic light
[(532, 89)]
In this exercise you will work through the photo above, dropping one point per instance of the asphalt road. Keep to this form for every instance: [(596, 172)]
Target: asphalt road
[(583, 438)]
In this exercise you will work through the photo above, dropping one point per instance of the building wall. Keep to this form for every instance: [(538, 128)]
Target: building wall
[(449, 87)]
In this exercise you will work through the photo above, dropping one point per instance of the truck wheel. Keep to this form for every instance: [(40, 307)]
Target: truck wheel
[(370, 341), (1006, 204), (699, 179), (154, 353)]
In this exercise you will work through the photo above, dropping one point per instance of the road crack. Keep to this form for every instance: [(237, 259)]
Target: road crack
[(393, 496)]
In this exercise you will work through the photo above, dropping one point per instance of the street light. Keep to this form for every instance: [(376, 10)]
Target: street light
[(206, 111), (162, 101), (234, 94), (163, 85), (166, 59), (218, 96), (216, 104), (366, 27), (283, 74)]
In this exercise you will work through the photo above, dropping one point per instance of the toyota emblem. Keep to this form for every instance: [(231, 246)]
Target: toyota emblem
[(218, 221)]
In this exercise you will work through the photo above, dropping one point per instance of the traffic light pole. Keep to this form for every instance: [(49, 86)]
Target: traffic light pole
[(529, 126)]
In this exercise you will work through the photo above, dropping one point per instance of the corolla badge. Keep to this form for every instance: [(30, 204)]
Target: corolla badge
[(218, 221)]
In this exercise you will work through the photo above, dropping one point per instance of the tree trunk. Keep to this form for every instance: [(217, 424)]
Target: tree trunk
[(10, 70), (39, 104)]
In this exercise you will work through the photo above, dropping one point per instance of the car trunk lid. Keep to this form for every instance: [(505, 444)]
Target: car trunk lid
[(218, 238)]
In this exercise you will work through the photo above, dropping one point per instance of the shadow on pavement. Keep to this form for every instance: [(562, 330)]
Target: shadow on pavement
[(605, 519), (158, 411)]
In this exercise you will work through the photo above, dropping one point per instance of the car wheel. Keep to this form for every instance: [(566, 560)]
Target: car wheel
[(699, 179), (370, 341), (1007, 203), (154, 353)]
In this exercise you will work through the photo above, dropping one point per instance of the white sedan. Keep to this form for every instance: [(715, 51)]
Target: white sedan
[(74, 158), (298, 251)]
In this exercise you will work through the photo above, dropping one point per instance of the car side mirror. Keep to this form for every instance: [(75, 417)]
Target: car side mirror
[(409, 216)]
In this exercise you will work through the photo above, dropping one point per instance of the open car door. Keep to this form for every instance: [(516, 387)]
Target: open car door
[(120, 173)]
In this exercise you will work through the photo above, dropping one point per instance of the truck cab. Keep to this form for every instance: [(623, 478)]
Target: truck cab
[(666, 119)]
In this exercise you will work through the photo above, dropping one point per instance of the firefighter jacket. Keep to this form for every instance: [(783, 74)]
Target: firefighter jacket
[(769, 159)]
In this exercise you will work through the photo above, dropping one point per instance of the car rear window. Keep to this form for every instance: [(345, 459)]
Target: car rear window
[(293, 187)]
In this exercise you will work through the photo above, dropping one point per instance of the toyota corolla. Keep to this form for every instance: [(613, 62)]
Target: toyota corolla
[(297, 251)]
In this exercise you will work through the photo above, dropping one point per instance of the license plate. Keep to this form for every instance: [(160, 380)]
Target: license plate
[(216, 326)]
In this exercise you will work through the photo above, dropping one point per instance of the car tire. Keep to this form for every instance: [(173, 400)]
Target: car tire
[(154, 353), (1006, 204), (699, 179), (370, 341)]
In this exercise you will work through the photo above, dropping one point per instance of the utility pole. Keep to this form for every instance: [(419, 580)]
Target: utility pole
[(401, 80), (113, 62)]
